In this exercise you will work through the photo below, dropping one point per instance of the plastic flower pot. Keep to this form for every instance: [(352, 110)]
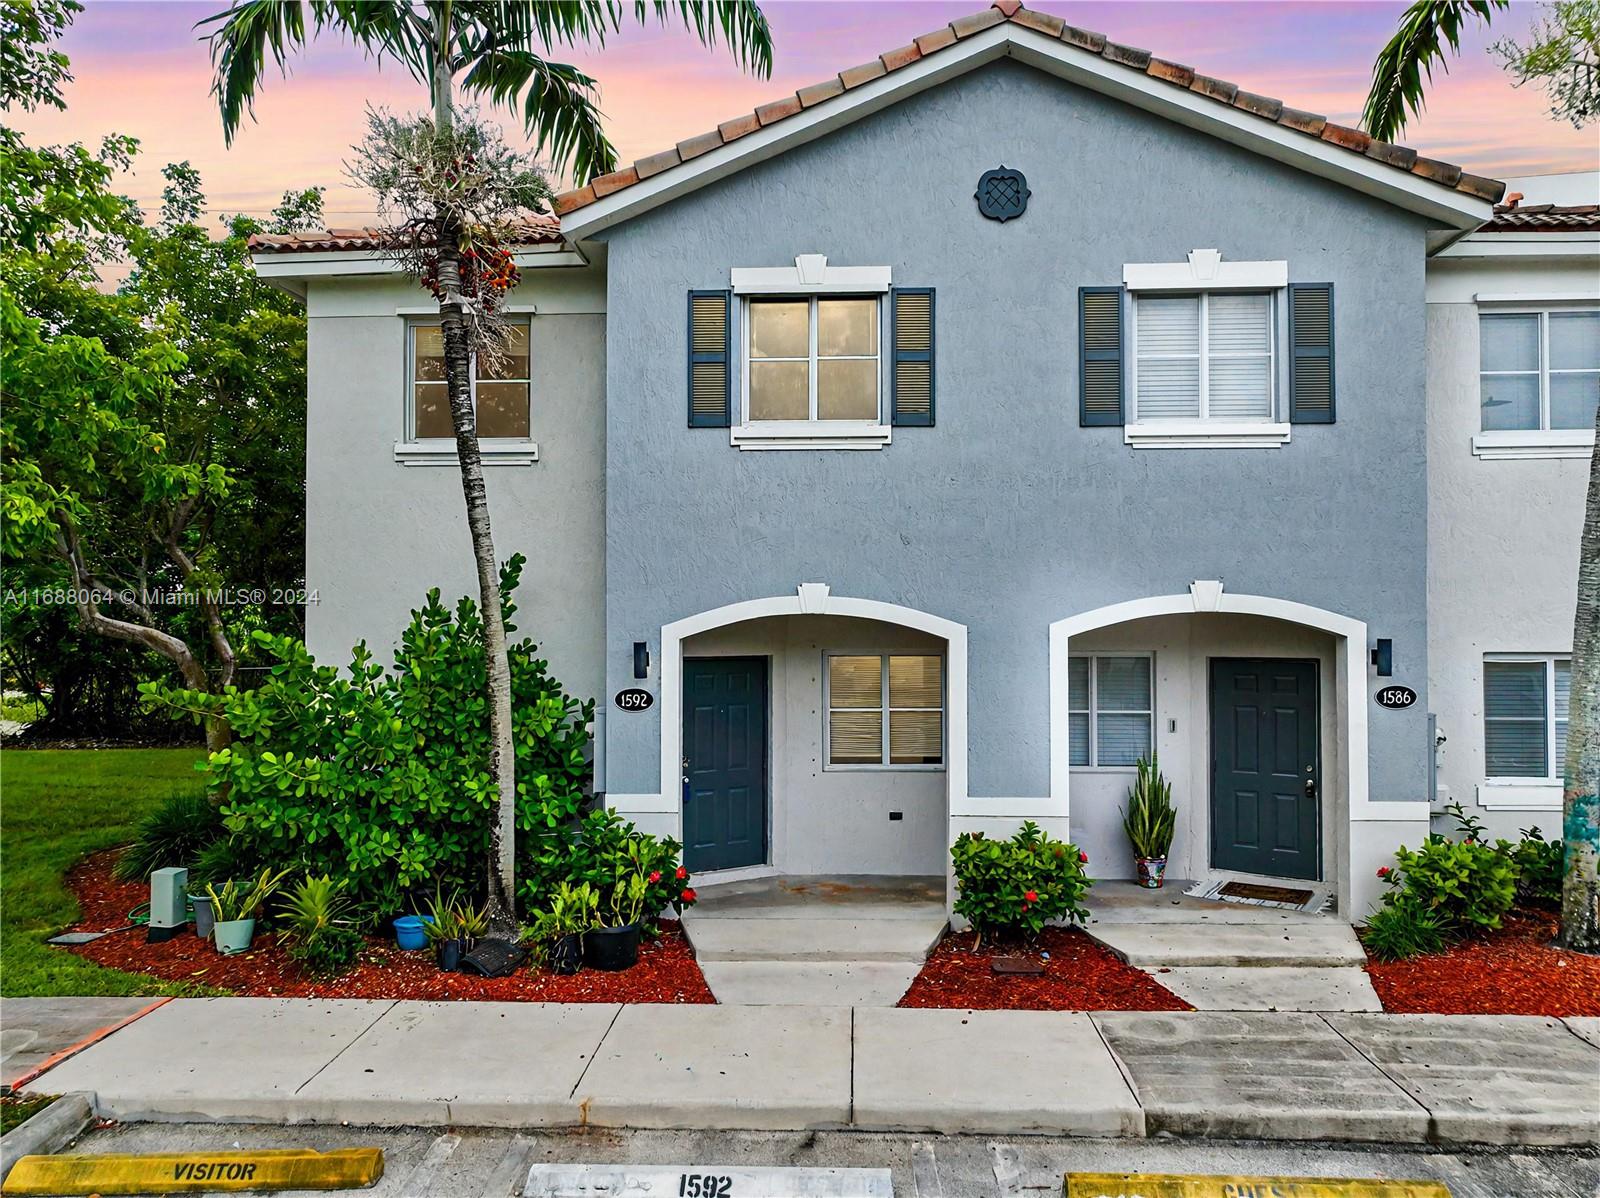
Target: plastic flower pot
[(448, 954), (1152, 871), (612, 949), (408, 933), (566, 955), (233, 935), (204, 918)]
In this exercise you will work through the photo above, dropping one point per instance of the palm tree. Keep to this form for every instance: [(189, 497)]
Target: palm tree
[(500, 51), (1397, 92)]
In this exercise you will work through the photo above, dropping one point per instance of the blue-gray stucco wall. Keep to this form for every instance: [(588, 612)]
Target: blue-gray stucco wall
[(1008, 515)]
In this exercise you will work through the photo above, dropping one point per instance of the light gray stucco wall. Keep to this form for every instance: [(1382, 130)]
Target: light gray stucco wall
[(832, 821), (379, 534), (1008, 515), (1502, 557)]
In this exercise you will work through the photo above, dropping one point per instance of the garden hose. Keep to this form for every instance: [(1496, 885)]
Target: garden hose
[(138, 917)]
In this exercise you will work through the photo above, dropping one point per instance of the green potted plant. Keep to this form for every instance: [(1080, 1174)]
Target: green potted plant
[(1149, 821), (557, 932), (235, 908), (453, 928), (614, 945)]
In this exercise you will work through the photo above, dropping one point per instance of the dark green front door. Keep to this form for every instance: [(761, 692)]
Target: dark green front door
[(1266, 771), (724, 762)]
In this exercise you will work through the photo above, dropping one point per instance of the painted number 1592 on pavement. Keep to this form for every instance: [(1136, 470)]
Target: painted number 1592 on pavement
[(705, 1185)]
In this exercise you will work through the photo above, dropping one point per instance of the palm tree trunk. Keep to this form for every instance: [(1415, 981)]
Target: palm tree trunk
[(1580, 887), (457, 362)]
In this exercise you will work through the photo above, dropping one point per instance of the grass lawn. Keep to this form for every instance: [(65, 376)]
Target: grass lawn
[(56, 805)]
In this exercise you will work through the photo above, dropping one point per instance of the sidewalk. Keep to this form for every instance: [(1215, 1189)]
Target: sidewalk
[(1354, 1077)]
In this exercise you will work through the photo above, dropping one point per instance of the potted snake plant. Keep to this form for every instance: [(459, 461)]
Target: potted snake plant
[(235, 908), (1149, 821), (453, 928)]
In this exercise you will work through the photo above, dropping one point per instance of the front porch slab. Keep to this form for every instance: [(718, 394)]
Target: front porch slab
[(1586, 1027), (757, 1068), (1002, 1072), (826, 939), (1287, 988), (1268, 1076), (1488, 1079)]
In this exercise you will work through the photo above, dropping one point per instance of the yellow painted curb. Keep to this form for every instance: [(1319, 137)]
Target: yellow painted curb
[(196, 1172), (1189, 1185)]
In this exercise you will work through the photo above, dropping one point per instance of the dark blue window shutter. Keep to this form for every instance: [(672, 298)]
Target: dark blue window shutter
[(1311, 353), (710, 359), (1099, 356), (911, 335)]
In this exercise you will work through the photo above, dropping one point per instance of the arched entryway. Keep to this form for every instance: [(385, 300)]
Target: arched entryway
[(755, 719)]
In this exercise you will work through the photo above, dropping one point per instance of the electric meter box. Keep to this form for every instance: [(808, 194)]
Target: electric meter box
[(169, 903)]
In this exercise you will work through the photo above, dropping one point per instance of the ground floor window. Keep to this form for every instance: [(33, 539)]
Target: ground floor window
[(1525, 716), (1110, 708), (884, 710)]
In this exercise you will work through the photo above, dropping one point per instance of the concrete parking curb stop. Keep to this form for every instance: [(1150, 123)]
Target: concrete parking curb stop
[(1398, 1079), (50, 1130)]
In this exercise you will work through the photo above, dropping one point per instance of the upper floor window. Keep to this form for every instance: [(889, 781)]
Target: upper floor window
[(1109, 709), (1525, 716), (1539, 370), (500, 392), (1204, 357), (812, 359), (884, 710)]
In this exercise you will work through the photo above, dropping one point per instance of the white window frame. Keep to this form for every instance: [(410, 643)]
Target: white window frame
[(1093, 710), (411, 450), (884, 763), (1544, 441), (1503, 793)]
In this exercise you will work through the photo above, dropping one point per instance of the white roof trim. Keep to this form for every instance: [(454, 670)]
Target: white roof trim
[(811, 275), (1451, 208), (312, 264), (1204, 271), (1575, 243)]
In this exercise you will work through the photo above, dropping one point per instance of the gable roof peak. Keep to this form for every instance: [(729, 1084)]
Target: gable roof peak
[(1015, 13)]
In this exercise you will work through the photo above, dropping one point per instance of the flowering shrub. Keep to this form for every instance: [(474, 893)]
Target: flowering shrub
[(602, 849), (1467, 885), (1016, 886)]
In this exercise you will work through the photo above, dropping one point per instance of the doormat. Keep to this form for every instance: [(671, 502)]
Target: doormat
[(1255, 894)]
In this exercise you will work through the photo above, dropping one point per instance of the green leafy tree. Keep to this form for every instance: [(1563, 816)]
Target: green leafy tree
[(499, 52), (151, 437), (1563, 57)]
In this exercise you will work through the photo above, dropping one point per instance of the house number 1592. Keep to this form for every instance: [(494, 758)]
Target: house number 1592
[(705, 1185)]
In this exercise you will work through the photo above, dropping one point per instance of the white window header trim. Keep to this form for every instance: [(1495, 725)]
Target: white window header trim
[(1205, 271), (810, 275)]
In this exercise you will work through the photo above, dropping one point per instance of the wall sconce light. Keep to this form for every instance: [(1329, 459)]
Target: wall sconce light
[(1383, 657), (641, 659)]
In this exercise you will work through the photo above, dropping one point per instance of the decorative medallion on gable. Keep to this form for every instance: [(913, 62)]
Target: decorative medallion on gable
[(1002, 193)]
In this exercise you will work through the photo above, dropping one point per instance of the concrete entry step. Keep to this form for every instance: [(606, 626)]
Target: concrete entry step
[(809, 983), (859, 940), (1287, 988), (1151, 946)]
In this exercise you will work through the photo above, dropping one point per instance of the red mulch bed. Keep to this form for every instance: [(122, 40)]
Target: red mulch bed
[(667, 971), (1079, 975), (1515, 971)]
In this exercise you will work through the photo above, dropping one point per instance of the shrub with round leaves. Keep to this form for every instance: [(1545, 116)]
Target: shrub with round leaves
[(1017, 886)]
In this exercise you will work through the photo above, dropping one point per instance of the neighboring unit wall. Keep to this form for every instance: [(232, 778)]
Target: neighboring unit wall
[(833, 821), (1503, 535), (379, 534)]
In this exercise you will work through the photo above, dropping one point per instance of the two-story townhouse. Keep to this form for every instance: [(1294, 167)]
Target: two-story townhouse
[(934, 443)]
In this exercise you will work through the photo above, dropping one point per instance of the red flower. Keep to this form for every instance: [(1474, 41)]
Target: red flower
[(688, 895), (681, 874), (655, 875), (1384, 871), (1031, 896), (1083, 858)]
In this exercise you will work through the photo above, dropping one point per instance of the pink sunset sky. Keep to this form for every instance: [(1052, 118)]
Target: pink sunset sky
[(140, 69)]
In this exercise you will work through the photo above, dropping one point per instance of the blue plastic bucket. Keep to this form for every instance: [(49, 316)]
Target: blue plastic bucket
[(408, 931)]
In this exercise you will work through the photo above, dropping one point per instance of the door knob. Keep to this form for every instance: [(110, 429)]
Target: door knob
[(1311, 789)]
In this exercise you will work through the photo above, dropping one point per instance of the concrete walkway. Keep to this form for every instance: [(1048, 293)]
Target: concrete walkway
[(1381, 1078), (33, 1030), (1220, 956), (837, 941)]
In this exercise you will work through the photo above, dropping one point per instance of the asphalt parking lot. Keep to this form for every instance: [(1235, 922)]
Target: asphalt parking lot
[(474, 1163)]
